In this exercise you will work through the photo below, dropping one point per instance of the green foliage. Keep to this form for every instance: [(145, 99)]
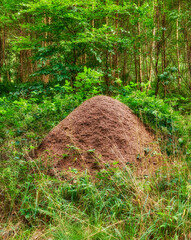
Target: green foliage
[(35, 102), (116, 204), (88, 83), (57, 39), (162, 118), (167, 77)]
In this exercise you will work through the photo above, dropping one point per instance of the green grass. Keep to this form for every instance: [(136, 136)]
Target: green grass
[(115, 204)]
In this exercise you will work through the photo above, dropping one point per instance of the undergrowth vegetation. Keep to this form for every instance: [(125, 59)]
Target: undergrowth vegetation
[(115, 204)]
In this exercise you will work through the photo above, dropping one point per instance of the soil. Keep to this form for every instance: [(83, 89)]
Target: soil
[(102, 132)]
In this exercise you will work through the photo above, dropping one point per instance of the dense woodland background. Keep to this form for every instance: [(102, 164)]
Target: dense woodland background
[(144, 42), (54, 55)]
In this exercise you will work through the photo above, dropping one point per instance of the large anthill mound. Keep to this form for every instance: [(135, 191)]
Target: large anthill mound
[(101, 132)]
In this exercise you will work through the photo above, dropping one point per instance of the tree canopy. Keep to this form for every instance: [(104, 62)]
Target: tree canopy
[(145, 42)]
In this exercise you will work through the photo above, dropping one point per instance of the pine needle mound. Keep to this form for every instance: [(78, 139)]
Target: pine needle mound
[(101, 132)]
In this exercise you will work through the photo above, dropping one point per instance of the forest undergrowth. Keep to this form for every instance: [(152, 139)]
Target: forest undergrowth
[(116, 204)]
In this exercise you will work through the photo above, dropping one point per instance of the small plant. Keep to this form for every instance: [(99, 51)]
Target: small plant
[(91, 150), (89, 83), (72, 147)]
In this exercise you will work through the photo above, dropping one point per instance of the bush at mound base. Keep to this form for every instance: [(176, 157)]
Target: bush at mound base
[(101, 132)]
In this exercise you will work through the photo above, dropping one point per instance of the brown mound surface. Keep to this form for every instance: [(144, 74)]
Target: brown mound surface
[(99, 132)]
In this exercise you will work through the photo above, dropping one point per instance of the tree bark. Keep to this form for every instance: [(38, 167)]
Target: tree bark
[(124, 73), (2, 53), (106, 76), (164, 45), (140, 53), (157, 48), (136, 69), (151, 59), (45, 78), (177, 46), (188, 48), (115, 56)]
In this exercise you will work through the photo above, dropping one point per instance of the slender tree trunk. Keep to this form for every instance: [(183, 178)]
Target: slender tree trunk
[(5, 57), (106, 76), (21, 66), (124, 68), (188, 48), (140, 53), (146, 52), (152, 60), (20, 75), (157, 48), (2, 52), (29, 62), (84, 59), (124, 73), (93, 21), (115, 56), (136, 69), (177, 45), (164, 45), (45, 78)]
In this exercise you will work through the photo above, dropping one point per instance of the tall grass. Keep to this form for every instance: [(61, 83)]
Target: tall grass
[(114, 204)]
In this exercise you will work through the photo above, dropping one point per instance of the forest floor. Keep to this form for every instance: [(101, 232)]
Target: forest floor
[(117, 203)]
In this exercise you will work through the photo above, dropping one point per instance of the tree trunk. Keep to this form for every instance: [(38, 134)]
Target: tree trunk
[(2, 52), (106, 76), (140, 53), (124, 73), (45, 78), (151, 60), (115, 56), (157, 48), (188, 48), (136, 70), (93, 21), (164, 45), (21, 66), (177, 45)]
